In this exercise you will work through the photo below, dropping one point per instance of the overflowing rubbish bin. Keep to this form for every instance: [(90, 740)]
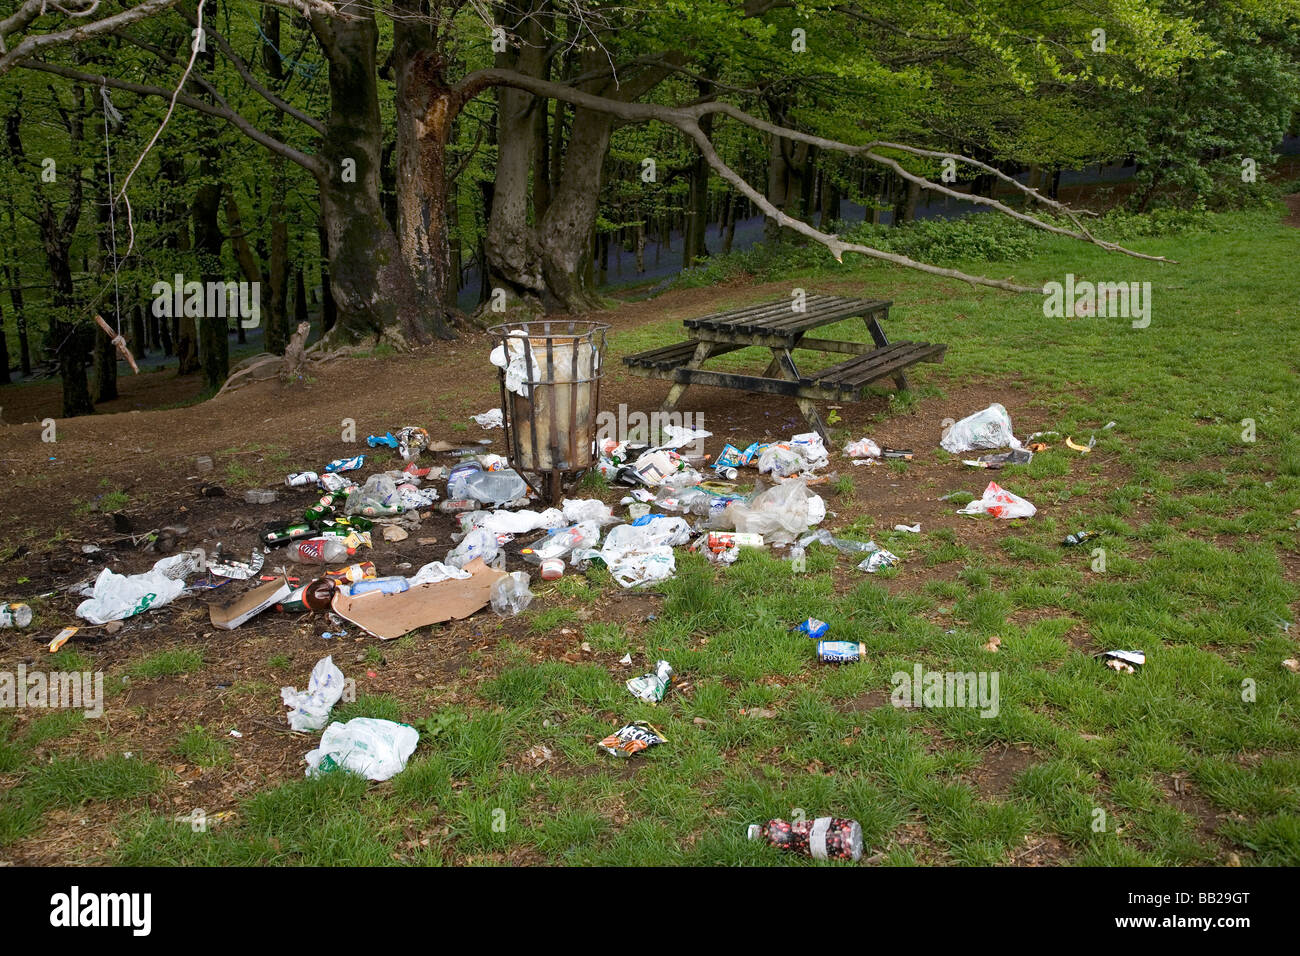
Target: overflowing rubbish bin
[(550, 374)]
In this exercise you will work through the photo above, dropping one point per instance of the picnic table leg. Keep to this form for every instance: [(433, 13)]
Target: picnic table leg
[(702, 352), (773, 369), (785, 363), (878, 336)]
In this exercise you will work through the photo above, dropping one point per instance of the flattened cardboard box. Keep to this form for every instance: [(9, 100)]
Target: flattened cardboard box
[(249, 604), (387, 616)]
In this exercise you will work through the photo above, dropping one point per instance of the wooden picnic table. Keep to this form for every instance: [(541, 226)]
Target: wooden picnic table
[(779, 327)]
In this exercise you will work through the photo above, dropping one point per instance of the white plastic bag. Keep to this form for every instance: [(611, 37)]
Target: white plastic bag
[(517, 522), (813, 450), (118, 596), (999, 503), (636, 568), (376, 749), (863, 448), (516, 363), (310, 709), (658, 532), (436, 571), (990, 428), (490, 419), (477, 543), (586, 509)]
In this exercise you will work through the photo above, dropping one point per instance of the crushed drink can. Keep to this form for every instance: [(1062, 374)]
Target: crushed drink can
[(1079, 537), (813, 628), (632, 739), (825, 838), (840, 652), (652, 687), (302, 479), (878, 559)]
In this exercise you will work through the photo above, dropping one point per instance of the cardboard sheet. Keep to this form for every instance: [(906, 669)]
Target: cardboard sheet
[(249, 604), (388, 616)]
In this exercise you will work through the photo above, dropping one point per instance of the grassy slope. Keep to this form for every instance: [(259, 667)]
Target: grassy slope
[(1197, 532)]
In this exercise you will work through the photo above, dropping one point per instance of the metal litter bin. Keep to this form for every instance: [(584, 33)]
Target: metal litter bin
[(550, 373)]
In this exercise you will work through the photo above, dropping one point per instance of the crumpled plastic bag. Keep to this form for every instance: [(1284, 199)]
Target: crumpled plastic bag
[(780, 460), (377, 498), (510, 594), (376, 749), (812, 448), (477, 543), (516, 363), (118, 596), (492, 418), (674, 436), (863, 448), (779, 513), (310, 709), (990, 428), (513, 522), (586, 509), (999, 503), (658, 532), (436, 571), (632, 569)]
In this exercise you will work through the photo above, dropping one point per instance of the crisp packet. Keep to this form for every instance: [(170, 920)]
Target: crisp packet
[(729, 457), (877, 560), (652, 687), (752, 452), (632, 739), (813, 628)]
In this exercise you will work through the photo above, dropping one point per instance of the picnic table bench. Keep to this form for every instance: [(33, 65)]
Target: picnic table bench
[(777, 326)]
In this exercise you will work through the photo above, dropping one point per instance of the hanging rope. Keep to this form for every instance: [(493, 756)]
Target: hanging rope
[(111, 117)]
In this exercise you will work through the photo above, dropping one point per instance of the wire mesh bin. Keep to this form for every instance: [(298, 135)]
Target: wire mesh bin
[(550, 374)]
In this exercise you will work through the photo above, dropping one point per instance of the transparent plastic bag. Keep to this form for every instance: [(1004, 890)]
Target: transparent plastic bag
[(377, 498), (990, 428), (779, 513), (477, 543), (510, 594)]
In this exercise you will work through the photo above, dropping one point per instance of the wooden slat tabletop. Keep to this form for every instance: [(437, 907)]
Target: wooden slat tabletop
[(777, 318)]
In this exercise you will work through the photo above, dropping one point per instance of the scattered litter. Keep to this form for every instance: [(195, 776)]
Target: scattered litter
[(652, 687), (825, 838), (1126, 662), (345, 464), (842, 545), (237, 570), (878, 559), (999, 503), (249, 604), (1081, 449), (1079, 537), (779, 513), (993, 644), (376, 749), (1292, 665), (813, 628), (15, 615), (492, 418), (990, 428), (632, 739), (62, 638), (538, 754), (310, 709), (840, 652), (388, 616), (909, 528), (236, 733), (1016, 456), (625, 659), (393, 533)]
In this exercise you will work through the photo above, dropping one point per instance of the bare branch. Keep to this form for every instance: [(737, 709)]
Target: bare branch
[(36, 42), (686, 120)]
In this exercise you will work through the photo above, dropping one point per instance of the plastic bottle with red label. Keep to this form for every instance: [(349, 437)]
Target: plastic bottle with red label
[(825, 838)]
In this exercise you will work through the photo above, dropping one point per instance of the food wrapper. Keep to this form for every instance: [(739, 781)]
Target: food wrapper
[(652, 687), (632, 739)]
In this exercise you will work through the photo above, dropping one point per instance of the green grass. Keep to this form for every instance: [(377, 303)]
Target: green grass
[(1199, 527)]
